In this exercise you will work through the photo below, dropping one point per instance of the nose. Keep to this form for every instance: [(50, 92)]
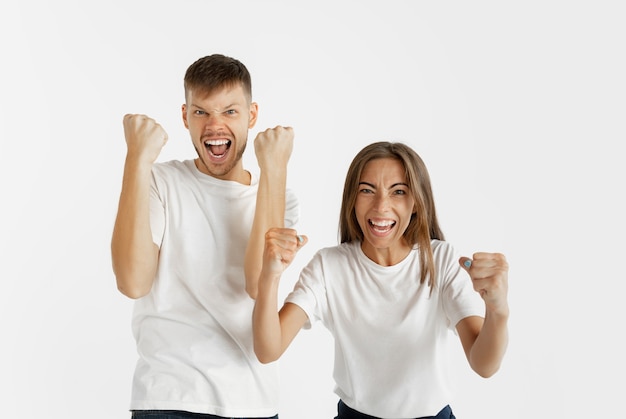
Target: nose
[(212, 120), (381, 202), (213, 125)]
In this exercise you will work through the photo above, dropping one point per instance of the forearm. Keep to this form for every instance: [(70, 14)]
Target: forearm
[(270, 212), (133, 252), (266, 325), (490, 345)]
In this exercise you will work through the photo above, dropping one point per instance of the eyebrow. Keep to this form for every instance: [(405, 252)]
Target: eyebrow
[(232, 105), (391, 187)]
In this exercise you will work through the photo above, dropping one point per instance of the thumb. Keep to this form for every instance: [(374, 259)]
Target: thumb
[(466, 263), (302, 240)]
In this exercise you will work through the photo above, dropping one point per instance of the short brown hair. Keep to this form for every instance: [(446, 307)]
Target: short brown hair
[(213, 72)]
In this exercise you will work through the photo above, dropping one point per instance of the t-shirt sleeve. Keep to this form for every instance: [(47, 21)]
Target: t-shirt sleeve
[(309, 292), (292, 209), (459, 298)]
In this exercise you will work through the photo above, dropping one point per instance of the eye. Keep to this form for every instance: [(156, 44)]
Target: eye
[(199, 112), (366, 191), (399, 192), (231, 112)]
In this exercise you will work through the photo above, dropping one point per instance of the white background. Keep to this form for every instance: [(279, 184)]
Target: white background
[(516, 107)]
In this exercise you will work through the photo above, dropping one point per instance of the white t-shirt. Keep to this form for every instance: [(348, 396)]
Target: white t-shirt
[(390, 335), (194, 328)]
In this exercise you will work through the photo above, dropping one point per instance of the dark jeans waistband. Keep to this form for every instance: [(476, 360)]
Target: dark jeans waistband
[(179, 414), (346, 412)]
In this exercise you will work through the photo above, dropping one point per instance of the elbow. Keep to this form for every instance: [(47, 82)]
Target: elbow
[(266, 358), (251, 283), (133, 293), (134, 270), (487, 372), (265, 354), (252, 291), (133, 285)]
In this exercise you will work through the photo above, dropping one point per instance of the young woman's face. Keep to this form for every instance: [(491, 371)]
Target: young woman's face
[(384, 205)]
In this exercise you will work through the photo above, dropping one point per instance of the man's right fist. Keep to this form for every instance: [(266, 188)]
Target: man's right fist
[(144, 137)]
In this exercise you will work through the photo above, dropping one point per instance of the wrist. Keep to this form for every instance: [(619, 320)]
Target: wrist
[(500, 313), (269, 281)]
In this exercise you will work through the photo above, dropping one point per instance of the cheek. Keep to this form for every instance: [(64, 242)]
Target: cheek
[(195, 132), (239, 129), (360, 212), (362, 223), (359, 209), (405, 223), (406, 220), (191, 124)]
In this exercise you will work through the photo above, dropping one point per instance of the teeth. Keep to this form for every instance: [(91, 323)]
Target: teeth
[(216, 142), (385, 223)]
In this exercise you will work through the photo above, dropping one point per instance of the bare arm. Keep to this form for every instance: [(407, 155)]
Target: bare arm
[(273, 148), (273, 330), (485, 341), (133, 253)]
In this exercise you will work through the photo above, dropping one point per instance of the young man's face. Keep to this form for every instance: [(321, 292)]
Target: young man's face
[(218, 125)]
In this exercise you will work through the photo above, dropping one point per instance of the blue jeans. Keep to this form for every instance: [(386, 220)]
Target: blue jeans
[(177, 414), (346, 412)]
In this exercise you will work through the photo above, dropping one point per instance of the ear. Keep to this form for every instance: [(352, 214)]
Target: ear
[(254, 114), (184, 111)]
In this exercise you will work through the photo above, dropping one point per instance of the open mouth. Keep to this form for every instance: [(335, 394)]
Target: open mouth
[(381, 226), (217, 148)]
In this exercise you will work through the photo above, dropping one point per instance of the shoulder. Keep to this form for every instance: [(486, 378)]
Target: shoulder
[(172, 166), (339, 253), (446, 257), (328, 262), (173, 171), (442, 249)]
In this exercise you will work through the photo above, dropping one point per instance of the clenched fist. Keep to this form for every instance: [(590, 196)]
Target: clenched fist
[(281, 246), (144, 137), (489, 273), (273, 147)]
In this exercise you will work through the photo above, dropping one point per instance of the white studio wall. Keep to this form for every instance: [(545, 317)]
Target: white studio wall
[(516, 108)]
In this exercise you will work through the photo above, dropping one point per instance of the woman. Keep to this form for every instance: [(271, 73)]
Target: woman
[(392, 294)]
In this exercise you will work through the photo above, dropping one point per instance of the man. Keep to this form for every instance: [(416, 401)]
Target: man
[(188, 244)]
